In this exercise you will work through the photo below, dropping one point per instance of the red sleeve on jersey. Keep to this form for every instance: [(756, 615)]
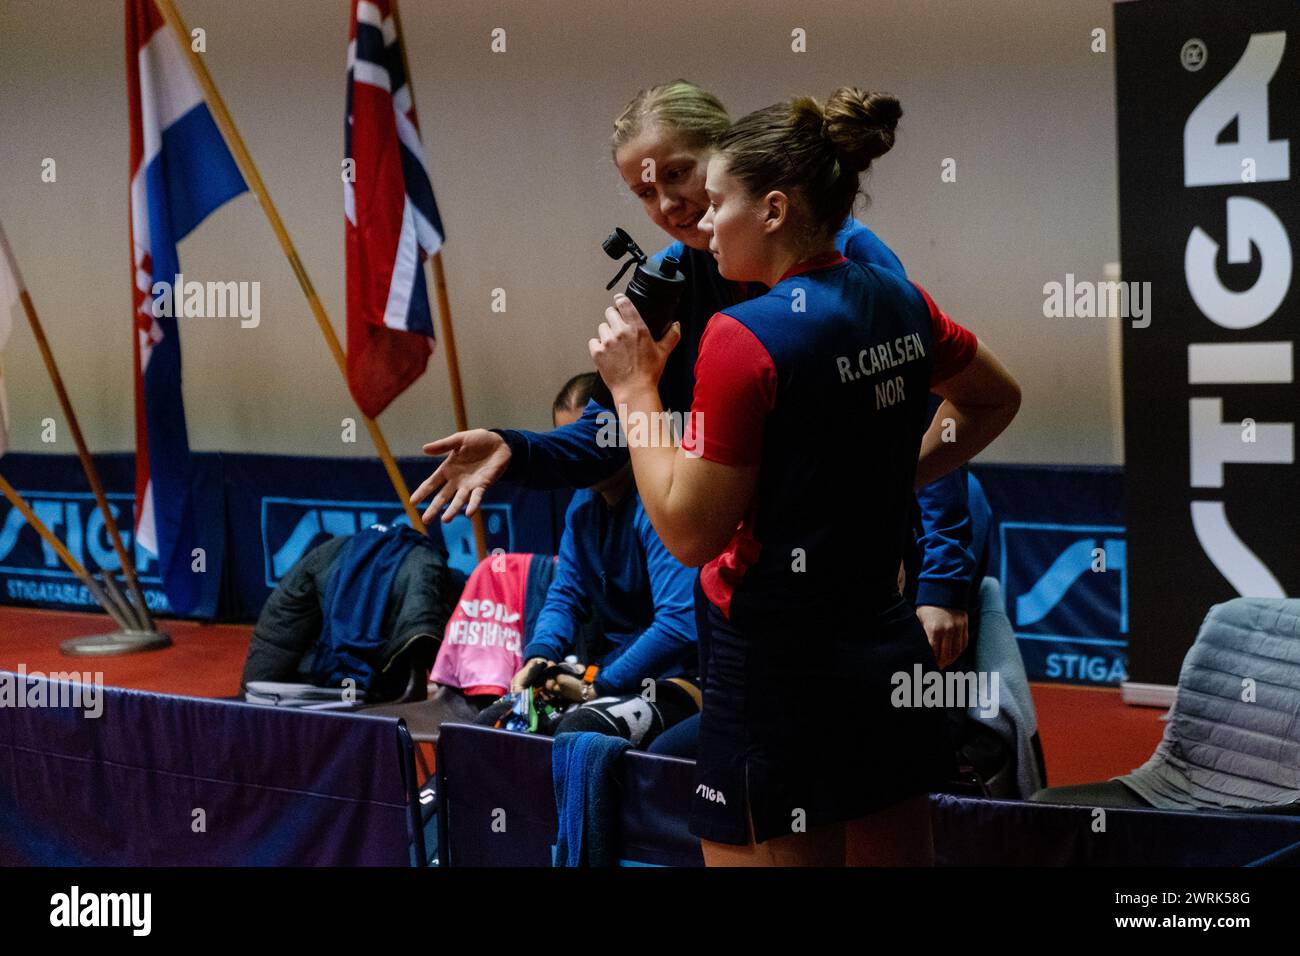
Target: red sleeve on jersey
[(735, 389), (954, 345)]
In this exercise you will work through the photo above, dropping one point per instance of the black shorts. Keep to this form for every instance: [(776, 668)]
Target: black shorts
[(798, 729)]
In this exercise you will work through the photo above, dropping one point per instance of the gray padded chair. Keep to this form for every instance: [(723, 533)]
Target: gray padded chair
[(1232, 738), (1015, 723)]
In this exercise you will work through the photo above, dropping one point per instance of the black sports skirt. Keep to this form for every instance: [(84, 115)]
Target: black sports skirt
[(798, 729)]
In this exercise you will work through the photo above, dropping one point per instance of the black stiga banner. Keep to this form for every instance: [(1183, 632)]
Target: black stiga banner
[(1208, 95)]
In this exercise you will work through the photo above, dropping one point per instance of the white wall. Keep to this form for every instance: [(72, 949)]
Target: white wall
[(517, 144)]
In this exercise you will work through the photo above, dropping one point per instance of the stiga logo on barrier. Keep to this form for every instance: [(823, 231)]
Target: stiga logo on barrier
[(1254, 236), (1067, 596), (1207, 209), (31, 569), (293, 526)]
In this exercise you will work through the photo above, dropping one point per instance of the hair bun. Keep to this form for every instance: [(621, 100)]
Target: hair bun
[(807, 114), (860, 125)]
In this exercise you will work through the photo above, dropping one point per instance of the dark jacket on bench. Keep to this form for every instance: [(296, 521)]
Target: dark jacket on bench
[(286, 636)]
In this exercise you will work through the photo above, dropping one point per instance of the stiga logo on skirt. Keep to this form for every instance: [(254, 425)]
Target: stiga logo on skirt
[(708, 793)]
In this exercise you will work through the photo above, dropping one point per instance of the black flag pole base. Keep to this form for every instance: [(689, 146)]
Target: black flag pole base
[(120, 642)]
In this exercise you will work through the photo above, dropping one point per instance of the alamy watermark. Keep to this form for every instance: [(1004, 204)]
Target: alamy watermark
[(652, 430), (209, 300), (65, 689), (130, 910), (1098, 300), (931, 688)]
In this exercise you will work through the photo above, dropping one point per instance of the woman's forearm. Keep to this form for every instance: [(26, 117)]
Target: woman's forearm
[(571, 456), (957, 434), (649, 440)]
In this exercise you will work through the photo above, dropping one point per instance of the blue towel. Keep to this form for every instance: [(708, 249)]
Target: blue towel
[(584, 766), (355, 600)]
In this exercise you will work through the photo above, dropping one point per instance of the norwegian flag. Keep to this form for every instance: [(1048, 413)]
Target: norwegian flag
[(181, 171), (392, 218)]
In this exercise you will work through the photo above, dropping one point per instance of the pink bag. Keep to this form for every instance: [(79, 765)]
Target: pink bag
[(481, 649)]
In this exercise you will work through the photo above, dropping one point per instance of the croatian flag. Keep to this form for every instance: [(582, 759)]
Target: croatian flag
[(180, 172), (392, 218)]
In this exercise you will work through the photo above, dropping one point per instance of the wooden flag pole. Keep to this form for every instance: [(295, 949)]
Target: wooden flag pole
[(448, 337), (117, 597), (449, 341), (141, 609), (248, 169), (453, 372), (73, 564)]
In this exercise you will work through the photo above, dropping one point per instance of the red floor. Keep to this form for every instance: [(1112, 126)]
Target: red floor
[(205, 660), (1088, 733)]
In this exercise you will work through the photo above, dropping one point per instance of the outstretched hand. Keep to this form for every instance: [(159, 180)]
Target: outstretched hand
[(475, 460)]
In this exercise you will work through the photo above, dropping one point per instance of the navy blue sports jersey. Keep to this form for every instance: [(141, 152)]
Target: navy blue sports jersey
[(824, 384)]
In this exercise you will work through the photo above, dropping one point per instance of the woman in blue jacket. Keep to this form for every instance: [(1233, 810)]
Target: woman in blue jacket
[(613, 576), (661, 145), (666, 133), (795, 497)]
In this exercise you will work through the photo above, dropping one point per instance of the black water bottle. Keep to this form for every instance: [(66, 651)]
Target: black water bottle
[(654, 289)]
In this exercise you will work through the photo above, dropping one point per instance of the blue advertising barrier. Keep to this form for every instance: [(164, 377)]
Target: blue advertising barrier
[(1058, 540), (496, 802), (93, 776), (119, 777), (55, 487), (278, 508), (1059, 551), (258, 515), (975, 832), (497, 808)]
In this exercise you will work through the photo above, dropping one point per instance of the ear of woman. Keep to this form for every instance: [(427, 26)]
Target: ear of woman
[(776, 207)]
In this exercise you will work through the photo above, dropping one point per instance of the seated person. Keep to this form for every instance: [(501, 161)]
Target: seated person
[(942, 578), (947, 562), (636, 682)]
